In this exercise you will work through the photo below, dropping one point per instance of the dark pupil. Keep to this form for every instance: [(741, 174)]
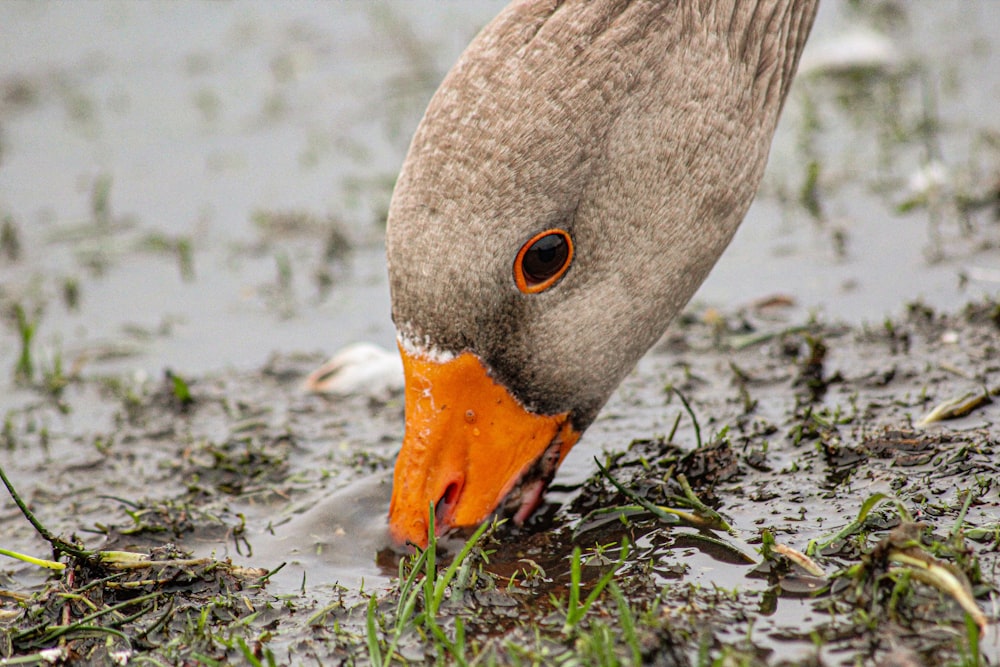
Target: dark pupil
[(545, 257)]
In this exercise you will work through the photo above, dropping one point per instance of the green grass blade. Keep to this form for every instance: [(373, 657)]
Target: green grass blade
[(247, 653), (573, 614), (449, 574), (40, 562), (627, 623), (866, 507), (374, 652)]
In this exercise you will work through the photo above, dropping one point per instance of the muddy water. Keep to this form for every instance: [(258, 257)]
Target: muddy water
[(193, 119), (200, 186)]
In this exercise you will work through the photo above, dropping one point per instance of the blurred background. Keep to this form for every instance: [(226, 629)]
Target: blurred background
[(200, 185)]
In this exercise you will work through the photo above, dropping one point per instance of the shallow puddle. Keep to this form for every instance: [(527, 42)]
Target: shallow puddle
[(336, 539), (202, 188)]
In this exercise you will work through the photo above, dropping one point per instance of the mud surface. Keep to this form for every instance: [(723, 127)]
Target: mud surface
[(800, 426), (190, 223)]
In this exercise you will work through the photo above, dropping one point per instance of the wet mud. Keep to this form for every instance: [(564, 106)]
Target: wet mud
[(802, 471), (780, 543)]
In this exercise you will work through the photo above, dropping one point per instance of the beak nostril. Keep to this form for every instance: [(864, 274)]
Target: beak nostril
[(444, 507)]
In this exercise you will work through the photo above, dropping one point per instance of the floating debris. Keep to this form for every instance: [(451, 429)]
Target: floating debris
[(942, 576), (859, 51), (800, 559), (954, 408), (359, 368)]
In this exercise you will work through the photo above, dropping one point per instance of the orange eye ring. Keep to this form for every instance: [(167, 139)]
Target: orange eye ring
[(543, 260)]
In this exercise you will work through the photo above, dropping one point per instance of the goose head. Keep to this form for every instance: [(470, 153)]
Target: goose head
[(573, 181)]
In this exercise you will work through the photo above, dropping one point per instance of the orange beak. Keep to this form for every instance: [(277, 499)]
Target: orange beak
[(468, 442)]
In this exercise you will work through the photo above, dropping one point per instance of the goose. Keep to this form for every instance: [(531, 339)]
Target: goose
[(573, 180)]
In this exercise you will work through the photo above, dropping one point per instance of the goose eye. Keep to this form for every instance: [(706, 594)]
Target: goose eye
[(542, 260)]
